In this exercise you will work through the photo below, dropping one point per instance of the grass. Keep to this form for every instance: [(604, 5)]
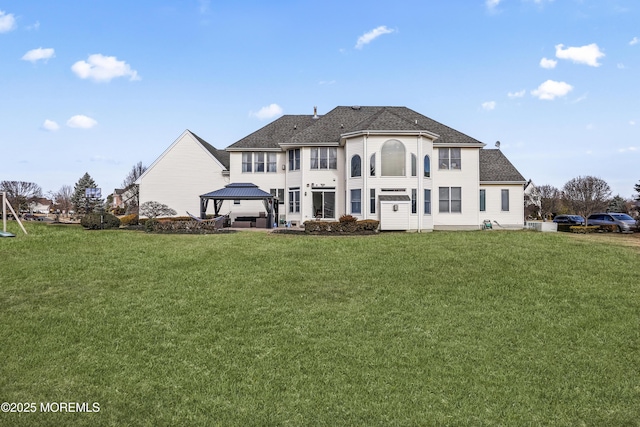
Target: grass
[(443, 328)]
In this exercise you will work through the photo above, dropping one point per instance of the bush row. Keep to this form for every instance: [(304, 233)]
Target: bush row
[(96, 221), (172, 225), (366, 226)]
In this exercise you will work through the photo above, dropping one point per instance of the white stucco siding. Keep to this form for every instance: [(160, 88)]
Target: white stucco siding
[(467, 179), (178, 178), (514, 217)]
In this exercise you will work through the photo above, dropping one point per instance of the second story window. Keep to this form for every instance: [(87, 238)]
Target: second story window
[(294, 159), (355, 166), (247, 162), (324, 158), (449, 158)]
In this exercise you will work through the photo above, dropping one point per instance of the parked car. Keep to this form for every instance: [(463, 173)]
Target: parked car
[(624, 222), (569, 219), (31, 217)]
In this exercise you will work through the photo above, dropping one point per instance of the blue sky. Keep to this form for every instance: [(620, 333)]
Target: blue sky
[(97, 86)]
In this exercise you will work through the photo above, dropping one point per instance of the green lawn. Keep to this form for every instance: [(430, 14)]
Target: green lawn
[(252, 329)]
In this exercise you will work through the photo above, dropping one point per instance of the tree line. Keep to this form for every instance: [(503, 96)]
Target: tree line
[(582, 196), (22, 194)]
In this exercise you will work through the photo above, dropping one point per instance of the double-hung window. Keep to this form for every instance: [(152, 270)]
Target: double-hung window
[(294, 200), (449, 158), (427, 202), (279, 193), (505, 200), (259, 162), (324, 158), (450, 199), (356, 201), (272, 162), (294, 159), (247, 162)]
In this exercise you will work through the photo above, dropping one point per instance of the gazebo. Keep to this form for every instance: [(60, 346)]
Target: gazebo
[(240, 191)]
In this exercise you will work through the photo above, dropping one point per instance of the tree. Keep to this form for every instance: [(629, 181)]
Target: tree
[(637, 188), (154, 209), (79, 200), (586, 195), (131, 189), (549, 200), (618, 204), (62, 198), (21, 193)]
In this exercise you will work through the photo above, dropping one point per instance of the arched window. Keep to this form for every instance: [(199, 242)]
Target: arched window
[(356, 166), (414, 165), (393, 158), (372, 165), (427, 167)]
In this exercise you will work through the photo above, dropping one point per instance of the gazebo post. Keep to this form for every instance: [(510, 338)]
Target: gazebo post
[(203, 207)]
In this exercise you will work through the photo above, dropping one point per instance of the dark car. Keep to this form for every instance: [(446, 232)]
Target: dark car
[(622, 221), (569, 219)]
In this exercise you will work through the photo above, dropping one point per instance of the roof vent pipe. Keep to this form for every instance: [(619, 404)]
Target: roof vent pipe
[(315, 112)]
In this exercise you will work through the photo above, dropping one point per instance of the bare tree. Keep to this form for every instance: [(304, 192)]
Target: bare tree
[(154, 209), (62, 198), (550, 200), (586, 195), (131, 189), (21, 193)]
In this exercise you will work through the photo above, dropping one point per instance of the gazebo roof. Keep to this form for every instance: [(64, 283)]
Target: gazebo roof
[(238, 190)]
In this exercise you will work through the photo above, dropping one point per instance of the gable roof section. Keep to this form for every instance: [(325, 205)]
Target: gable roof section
[(331, 128), (495, 167), (221, 155)]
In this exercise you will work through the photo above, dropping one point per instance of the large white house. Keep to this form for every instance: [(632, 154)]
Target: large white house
[(386, 163)]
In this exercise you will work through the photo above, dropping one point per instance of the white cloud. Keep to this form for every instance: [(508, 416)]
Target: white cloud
[(632, 122), (35, 55), (581, 98), (622, 150), (367, 38), (50, 125), (34, 27), (588, 54), (620, 66), (518, 94), (489, 105), (492, 4), (203, 6), (267, 112), (7, 22), (633, 41), (81, 122), (551, 89), (548, 63), (102, 68)]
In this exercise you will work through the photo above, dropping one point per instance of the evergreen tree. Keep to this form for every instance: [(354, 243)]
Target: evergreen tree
[(637, 188), (80, 201)]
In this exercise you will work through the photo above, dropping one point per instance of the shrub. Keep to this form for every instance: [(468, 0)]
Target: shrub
[(96, 221), (349, 226), (131, 219), (347, 218)]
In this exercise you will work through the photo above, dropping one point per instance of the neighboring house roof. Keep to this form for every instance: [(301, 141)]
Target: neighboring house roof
[(221, 155), (495, 167), (331, 127), (237, 191)]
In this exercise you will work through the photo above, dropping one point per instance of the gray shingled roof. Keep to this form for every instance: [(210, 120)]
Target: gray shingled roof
[(281, 130), (221, 155), (495, 167), (304, 129), (238, 190)]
